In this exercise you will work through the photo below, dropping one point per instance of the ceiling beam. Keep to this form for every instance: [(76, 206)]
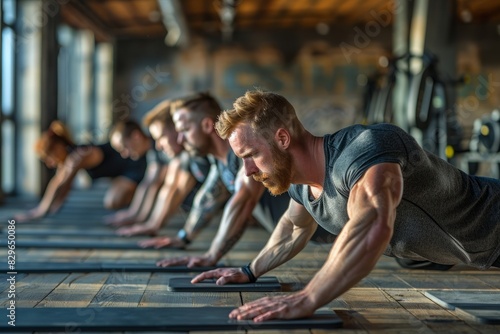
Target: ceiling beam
[(76, 13)]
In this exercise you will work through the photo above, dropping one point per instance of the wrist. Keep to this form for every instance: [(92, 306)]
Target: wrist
[(248, 271), (183, 236), (37, 213), (310, 297), (308, 304)]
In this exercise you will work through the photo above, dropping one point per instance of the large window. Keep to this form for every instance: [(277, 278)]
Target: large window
[(84, 84), (36, 88), (7, 55)]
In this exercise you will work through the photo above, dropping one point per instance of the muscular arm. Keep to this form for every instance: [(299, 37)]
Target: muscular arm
[(236, 214), (372, 210), (290, 236), (62, 193), (57, 190), (151, 192), (144, 197), (178, 183), (209, 200), (234, 219), (59, 186)]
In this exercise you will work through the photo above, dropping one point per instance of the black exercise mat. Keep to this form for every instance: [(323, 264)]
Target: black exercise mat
[(263, 284), (480, 306), (77, 232), (55, 223), (150, 319), (77, 244), (86, 267)]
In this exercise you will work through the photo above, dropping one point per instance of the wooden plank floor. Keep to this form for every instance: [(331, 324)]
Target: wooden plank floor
[(390, 300)]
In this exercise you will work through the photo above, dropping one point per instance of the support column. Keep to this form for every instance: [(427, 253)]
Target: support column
[(79, 115), (103, 107), (1, 107), (28, 111), (48, 77), (400, 42)]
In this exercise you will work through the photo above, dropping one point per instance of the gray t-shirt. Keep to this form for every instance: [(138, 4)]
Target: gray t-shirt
[(445, 216)]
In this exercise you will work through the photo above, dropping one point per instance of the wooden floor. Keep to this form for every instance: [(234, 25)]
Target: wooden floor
[(389, 300)]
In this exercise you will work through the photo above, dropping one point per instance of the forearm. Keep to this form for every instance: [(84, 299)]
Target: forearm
[(54, 195), (167, 203), (132, 212), (353, 256), (208, 202), (286, 241), (60, 197), (148, 202), (145, 194), (234, 220)]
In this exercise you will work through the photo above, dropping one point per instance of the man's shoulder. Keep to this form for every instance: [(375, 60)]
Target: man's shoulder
[(296, 192), (344, 137), (356, 129)]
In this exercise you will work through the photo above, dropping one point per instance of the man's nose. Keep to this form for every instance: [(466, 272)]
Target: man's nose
[(125, 154), (180, 138), (250, 167)]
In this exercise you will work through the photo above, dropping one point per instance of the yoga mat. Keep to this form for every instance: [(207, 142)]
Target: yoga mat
[(78, 232), (479, 306), (150, 318), (263, 284), (64, 267), (125, 244)]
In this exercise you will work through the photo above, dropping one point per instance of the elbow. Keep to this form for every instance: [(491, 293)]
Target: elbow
[(384, 233), (380, 232), (379, 236)]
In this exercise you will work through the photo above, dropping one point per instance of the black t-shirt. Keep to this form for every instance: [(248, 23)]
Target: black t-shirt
[(114, 165), (445, 216), (199, 167), (229, 171), (158, 157)]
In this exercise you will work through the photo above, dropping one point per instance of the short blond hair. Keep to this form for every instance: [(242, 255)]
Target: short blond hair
[(160, 113), (263, 111)]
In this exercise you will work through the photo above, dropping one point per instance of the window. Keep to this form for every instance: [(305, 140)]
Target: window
[(7, 126)]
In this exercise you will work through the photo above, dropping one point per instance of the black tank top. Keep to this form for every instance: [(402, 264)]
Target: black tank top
[(114, 165)]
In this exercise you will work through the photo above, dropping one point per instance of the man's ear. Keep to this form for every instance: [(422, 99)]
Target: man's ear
[(207, 125), (282, 138)]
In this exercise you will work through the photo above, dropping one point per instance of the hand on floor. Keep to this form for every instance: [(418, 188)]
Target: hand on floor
[(136, 230), (161, 242), (292, 306), (30, 215), (189, 261)]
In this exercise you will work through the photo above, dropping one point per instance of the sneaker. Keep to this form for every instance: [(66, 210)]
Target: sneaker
[(425, 265)]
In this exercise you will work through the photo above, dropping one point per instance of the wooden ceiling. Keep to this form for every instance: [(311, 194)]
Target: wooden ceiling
[(111, 19)]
